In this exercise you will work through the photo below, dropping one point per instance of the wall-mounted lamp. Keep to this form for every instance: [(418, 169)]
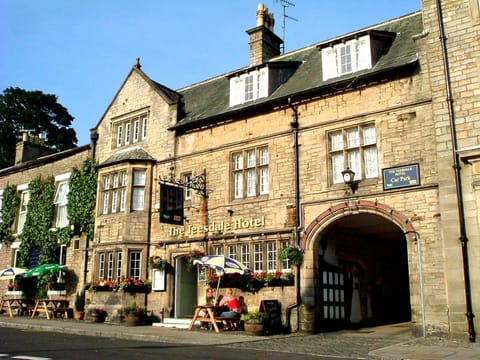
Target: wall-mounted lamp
[(348, 178), (230, 212)]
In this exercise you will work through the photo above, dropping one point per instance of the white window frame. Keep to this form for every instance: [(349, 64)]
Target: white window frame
[(136, 130), (128, 133), (359, 57), (1, 204), (188, 186), (144, 127), (101, 265), (249, 86), (23, 209), (61, 201), (258, 256), (250, 173), (130, 129), (114, 189), (353, 147), (138, 189), (135, 264)]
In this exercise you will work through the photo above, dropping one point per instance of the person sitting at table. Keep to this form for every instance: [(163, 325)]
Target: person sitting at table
[(209, 301), (234, 308)]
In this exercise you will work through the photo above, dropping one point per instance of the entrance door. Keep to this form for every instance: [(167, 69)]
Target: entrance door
[(185, 289), (334, 292)]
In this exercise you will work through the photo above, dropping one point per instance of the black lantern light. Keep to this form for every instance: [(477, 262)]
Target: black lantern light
[(348, 178)]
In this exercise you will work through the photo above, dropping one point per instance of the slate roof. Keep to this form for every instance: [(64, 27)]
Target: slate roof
[(208, 102), (134, 154)]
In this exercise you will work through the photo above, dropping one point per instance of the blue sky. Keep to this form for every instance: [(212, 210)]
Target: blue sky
[(82, 50)]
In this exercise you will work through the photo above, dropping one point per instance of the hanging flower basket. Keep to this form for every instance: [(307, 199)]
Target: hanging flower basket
[(192, 256), (294, 254), (157, 263)]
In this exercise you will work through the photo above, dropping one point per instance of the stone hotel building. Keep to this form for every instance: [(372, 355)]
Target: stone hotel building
[(362, 150)]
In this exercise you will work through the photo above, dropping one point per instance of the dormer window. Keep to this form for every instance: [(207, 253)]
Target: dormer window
[(249, 86), (346, 57)]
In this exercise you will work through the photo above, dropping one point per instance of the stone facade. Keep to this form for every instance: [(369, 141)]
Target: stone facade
[(375, 252)]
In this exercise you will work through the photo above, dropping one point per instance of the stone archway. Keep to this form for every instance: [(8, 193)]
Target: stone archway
[(359, 262)]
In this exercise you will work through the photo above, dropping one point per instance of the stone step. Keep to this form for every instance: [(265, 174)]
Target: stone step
[(175, 323)]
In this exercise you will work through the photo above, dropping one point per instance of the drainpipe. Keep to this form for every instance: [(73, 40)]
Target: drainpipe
[(458, 179), (418, 240), (294, 124), (93, 146)]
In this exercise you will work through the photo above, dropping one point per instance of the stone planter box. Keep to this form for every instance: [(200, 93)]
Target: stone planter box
[(14, 293), (57, 292)]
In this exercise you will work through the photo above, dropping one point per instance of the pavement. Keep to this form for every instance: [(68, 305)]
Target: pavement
[(391, 342)]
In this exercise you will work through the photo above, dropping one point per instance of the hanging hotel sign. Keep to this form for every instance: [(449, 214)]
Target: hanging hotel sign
[(171, 204), (219, 226), (400, 177)]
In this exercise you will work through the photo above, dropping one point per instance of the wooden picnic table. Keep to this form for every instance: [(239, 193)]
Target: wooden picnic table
[(11, 303), (51, 305)]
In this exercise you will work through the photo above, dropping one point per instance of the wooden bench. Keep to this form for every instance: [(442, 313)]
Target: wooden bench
[(235, 321), (67, 312)]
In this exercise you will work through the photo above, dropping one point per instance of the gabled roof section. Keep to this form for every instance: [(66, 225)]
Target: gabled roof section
[(207, 103), (129, 155), (170, 96)]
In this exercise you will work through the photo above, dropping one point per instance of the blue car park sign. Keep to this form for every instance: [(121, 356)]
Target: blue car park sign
[(400, 177)]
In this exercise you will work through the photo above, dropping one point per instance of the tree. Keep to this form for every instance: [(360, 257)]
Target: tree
[(22, 110)]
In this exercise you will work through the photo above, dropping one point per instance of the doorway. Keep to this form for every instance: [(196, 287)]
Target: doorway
[(362, 272), (185, 289)]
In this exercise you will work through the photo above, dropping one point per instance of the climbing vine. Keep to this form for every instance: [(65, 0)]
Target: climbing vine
[(82, 198), (36, 230), (10, 202)]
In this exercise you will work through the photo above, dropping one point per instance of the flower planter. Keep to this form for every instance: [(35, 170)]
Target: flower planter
[(97, 318), (78, 315), (254, 327), (133, 320)]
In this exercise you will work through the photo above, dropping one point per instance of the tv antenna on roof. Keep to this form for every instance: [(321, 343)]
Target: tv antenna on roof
[(286, 4)]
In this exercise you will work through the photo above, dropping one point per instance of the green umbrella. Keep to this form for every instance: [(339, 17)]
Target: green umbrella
[(43, 269)]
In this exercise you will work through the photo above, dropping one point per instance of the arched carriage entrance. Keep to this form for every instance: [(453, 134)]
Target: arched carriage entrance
[(360, 262)]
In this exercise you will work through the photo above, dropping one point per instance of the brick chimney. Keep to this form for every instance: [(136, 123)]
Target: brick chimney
[(29, 148), (264, 44)]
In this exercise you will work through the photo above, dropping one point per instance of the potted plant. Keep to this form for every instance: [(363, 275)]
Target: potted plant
[(97, 315), (79, 306), (254, 323), (134, 315)]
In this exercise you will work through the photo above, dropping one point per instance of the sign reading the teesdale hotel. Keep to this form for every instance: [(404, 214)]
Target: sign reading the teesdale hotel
[(219, 226)]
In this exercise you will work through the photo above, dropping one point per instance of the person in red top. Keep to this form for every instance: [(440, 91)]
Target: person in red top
[(234, 307)]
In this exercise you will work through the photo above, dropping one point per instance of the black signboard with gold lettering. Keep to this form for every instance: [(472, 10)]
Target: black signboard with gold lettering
[(400, 177), (171, 204)]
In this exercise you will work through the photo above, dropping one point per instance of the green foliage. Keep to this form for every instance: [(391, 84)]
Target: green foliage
[(10, 204), (254, 316), (294, 254), (63, 235), (21, 109), (135, 309), (80, 301), (36, 231), (82, 198)]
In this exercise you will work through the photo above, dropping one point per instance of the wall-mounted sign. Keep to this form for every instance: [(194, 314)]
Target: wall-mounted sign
[(171, 204), (400, 177), (159, 280)]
